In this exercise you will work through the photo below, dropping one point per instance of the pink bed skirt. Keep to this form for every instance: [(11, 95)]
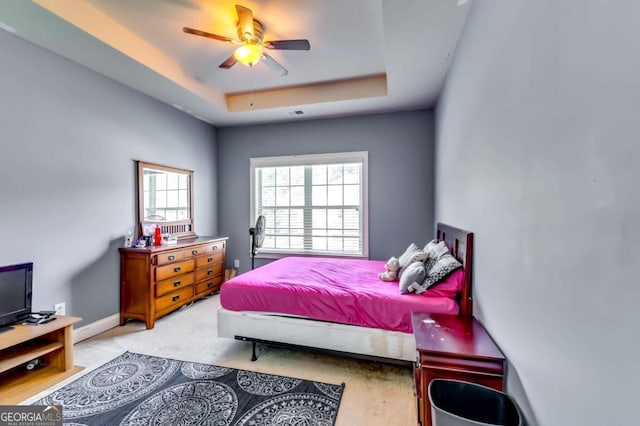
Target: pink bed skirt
[(346, 291)]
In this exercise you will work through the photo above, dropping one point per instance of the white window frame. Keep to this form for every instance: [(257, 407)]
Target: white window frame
[(309, 160)]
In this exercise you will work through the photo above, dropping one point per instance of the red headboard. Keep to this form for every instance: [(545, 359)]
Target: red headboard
[(460, 243)]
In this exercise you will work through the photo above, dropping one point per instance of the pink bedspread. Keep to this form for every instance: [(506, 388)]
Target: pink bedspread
[(347, 291)]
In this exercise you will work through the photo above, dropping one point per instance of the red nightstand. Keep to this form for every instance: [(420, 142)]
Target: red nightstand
[(452, 347)]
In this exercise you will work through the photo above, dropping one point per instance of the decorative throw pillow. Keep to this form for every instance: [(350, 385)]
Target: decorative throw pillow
[(449, 287), (435, 248), (439, 268), (430, 245), (412, 278), (404, 257), (418, 256)]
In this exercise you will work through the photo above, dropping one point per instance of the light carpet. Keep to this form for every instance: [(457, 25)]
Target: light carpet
[(376, 394)]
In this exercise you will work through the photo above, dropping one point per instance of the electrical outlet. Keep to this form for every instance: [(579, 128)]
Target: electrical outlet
[(60, 308), (236, 263)]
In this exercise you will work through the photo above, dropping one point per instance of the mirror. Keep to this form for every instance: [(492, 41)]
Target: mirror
[(165, 198)]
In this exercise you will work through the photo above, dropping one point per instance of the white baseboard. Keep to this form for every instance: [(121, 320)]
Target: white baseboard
[(95, 328)]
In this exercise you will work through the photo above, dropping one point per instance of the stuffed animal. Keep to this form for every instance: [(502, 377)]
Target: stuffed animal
[(412, 278), (390, 270), (417, 256)]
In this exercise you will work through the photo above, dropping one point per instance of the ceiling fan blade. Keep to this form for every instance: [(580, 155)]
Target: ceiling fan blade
[(206, 34), (245, 23), (228, 63), (287, 44), (274, 65)]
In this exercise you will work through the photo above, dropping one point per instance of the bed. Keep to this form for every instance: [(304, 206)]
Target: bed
[(339, 305)]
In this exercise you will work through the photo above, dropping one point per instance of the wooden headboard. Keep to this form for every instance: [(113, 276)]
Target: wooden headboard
[(460, 243)]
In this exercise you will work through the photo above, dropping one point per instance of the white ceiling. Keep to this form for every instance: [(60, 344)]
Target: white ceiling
[(366, 56)]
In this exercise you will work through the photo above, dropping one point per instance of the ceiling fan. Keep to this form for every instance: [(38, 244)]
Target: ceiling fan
[(251, 45)]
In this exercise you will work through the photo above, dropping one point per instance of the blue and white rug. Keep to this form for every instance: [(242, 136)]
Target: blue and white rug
[(136, 389)]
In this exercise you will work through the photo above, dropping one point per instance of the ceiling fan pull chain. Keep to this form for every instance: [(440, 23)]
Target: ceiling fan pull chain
[(251, 86)]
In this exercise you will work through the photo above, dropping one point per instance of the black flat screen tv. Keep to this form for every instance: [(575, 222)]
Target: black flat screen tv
[(15, 293)]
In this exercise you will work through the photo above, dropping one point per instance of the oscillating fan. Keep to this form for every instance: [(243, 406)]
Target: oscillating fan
[(257, 237)]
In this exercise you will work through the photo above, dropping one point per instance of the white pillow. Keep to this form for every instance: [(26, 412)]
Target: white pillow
[(435, 248), (411, 281), (406, 256), (410, 255)]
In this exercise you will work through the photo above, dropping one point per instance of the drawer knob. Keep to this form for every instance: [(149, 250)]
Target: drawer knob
[(215, 247), (209, 272), (171, 257), (210, 284), (194, 252), (176, 297), (177, 269), (210, 259), (176, 283)]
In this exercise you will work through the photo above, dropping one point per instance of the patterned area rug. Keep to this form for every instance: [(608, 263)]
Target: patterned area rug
[(136, 389)]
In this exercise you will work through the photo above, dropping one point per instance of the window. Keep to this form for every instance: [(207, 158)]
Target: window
[(312, 204)]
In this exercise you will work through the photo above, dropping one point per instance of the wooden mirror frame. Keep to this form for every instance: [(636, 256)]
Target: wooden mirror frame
[(181, 229)]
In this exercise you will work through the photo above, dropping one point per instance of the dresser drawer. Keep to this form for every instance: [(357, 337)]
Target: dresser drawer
[(215, 247), (174, 269), (211, 271), (196, 251), (166, 286), (168, 257), (175, 298), (209, 259), (209, 285)]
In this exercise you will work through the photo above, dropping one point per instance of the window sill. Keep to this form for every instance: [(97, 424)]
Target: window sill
[(280, 255)]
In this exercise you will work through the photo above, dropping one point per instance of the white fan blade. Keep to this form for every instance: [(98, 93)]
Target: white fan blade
[(274, 65)]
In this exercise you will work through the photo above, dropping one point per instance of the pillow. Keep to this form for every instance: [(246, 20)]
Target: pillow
[(404, 257), (435, 248), (410, 255), (427, 248), (449, 287), (439, 268), (411, 280), (418, 256)]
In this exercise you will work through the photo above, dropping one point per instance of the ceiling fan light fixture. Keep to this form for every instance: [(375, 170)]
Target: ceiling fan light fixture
[(248, 54), (250, 43)]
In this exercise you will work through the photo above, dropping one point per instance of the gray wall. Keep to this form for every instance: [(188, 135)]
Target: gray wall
[(400, 147), (68, 139), (539, 119)]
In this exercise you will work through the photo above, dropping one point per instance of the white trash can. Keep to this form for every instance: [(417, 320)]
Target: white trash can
[(458, 403)]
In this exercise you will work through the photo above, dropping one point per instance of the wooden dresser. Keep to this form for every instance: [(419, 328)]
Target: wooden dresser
[(157, 280), (452, 347)]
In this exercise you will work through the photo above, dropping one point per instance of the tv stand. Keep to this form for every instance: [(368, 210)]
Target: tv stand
[(51, 343)]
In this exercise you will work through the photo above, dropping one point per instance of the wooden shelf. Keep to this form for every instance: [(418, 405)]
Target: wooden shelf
[(16, 386), (26, 352), (51, 343)]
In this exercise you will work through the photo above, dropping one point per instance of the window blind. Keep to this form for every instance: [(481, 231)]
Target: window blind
[(311, 206)]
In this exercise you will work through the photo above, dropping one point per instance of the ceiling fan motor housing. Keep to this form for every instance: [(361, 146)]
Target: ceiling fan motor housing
[(258, 33)]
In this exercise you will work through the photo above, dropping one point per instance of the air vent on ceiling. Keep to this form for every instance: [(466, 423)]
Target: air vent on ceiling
[(294, 113)]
